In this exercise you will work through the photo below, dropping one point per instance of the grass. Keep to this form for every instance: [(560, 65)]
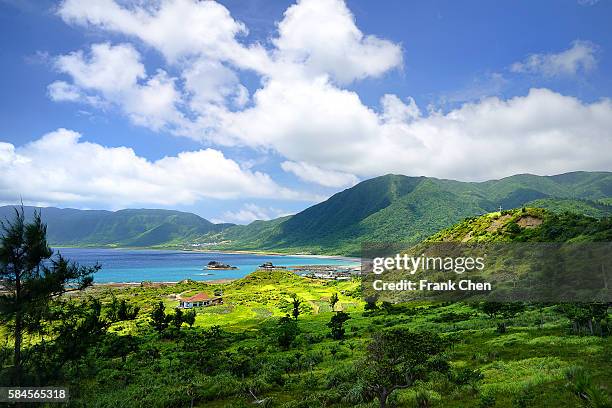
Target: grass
[(533, 354)]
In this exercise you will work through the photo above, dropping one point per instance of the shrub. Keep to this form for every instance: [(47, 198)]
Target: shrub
[(581, 385), (525, 398), (486, 401)]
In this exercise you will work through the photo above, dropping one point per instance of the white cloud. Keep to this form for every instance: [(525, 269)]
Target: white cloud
[(315, 36), (324, 132), (314, 174), (396, 111), (543, 132), (116, 74), (249, 213), (482, 86), (322, 38), (63, 91), (59, 167), (210, 82), (587, 2), (580, 57), (109, 69), (177, 28)]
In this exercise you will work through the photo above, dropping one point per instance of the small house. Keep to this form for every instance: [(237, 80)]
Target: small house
[(200, 300)]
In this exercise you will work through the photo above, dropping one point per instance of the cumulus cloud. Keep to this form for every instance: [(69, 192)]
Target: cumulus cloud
[(210, 82), (315, 36), (542, 132), (211, 54), (177, 28), (63, 91), (580, 57), (303, 110), (321, 36), (396, 111), (114, 74), (249, 213), (59, 167), (313, 174)]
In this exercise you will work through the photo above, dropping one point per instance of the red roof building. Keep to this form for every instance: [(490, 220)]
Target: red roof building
[(199, 300)]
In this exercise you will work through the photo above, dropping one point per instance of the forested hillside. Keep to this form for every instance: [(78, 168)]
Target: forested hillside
[(281, 340), (391, 208), (137, 227), (396, 208)]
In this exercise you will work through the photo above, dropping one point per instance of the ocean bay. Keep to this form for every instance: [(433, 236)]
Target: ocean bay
[(138, 265)]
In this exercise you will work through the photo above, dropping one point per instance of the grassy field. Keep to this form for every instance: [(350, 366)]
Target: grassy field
[(529, 365), (254, 351)]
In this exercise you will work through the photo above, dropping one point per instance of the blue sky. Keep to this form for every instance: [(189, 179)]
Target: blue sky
[(240, 110)]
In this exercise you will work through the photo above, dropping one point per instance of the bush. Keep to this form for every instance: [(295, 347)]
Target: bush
[(466, 376), (486, 401), (581, 385), (525, 398)]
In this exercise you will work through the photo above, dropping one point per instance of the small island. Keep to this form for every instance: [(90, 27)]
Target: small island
[(219, 265), (270, 265)]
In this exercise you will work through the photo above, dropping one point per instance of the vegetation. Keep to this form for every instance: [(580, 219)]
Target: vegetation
[(280, 340), (28, 284), (528, 225), (397, 358), (336, 324), (395, 208), (596, 209), (124, 228), (391, 208)]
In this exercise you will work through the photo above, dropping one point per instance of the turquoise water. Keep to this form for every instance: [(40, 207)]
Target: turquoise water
[(137, 265)]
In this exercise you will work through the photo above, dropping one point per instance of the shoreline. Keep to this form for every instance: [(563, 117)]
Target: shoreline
[(219, 251), (350, 261), (159, 283)]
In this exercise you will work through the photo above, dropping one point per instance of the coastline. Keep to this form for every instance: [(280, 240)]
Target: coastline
[(136, 282), (217, 251), (158, 284)]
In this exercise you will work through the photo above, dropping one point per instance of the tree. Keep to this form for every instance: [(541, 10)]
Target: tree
[(119, 346), (189, 317), (80, 325), (586, 317), (286, 331), (370, 303), (177, 318), (31, 278), (126, 311), (159, 319), (396, 358), (294, 306), (121, 310), (333, 300), (296, 302), (336, 325), (492, 309), (506, 311)]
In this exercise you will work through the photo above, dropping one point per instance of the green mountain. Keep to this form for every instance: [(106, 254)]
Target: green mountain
[(136, 228), (391, 208), (395, 208), (527, 225), (597, 209)]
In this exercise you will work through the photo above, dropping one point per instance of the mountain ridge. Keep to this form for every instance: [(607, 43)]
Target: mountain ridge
[(127, 227), (391, 208), (403, 208)]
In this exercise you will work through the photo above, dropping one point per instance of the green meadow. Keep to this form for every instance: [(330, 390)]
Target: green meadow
[(281, 340), (231, 356)]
